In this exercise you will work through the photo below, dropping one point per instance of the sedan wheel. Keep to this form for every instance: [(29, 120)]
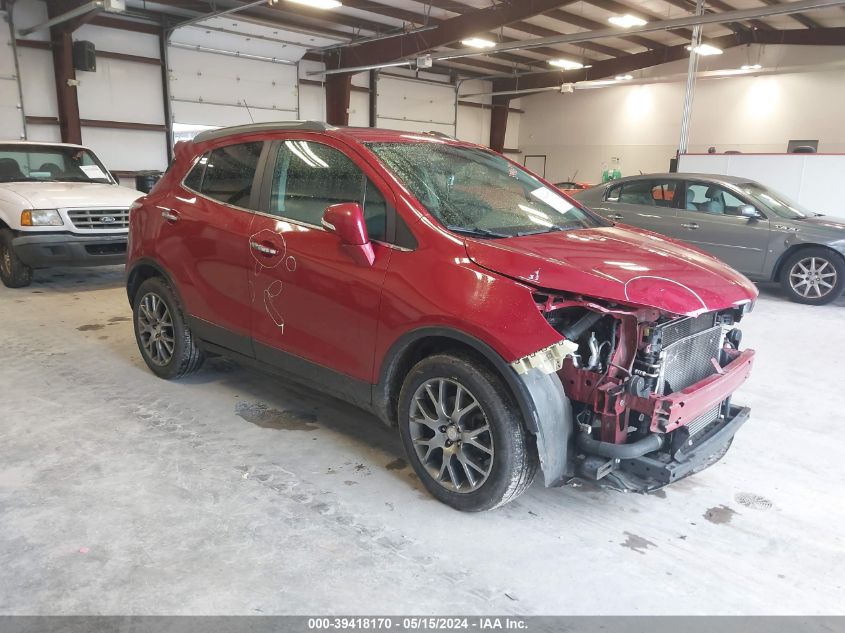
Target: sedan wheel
[(813, 276)]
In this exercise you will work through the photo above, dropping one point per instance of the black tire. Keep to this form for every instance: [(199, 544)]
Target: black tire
[(513, 462), (186, 357), (13, 272), (832, 269)]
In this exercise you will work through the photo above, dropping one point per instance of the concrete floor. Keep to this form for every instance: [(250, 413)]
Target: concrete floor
[(233, 493)]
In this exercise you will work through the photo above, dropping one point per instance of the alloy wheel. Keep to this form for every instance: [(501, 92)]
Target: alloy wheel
[(155, 327), (813, 277), (451, 435)]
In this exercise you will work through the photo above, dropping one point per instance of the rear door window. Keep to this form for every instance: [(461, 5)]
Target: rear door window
[(230, 173)]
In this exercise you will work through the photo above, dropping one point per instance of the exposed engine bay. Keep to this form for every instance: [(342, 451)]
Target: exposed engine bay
[(650, 391)]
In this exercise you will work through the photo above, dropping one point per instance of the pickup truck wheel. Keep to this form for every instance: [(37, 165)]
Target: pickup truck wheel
[(13, 272), (165, 341), (463, 435), (814, 276)]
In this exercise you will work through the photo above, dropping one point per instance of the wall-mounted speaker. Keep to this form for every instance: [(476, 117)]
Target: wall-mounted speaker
[(84, 56)]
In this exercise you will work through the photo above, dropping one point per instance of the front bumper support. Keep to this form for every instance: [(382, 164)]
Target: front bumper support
[(655, 470)]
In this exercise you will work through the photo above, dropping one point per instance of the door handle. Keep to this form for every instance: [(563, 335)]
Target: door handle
[(690, 225), (170, 216), (264, 250)]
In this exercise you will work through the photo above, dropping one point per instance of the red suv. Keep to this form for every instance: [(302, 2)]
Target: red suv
[(502, 326)]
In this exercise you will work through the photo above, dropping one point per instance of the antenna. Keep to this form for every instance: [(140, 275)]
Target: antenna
[(248, 112)]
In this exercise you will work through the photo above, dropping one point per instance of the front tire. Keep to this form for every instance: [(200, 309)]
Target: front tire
[(166, 343), (13, 272), (463, 435), (814, 276)]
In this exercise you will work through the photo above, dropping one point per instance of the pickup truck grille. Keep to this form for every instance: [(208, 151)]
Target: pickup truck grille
[(99, 218)]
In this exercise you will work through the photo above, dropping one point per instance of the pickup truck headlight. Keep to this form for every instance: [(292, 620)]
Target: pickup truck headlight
[(41, 217)]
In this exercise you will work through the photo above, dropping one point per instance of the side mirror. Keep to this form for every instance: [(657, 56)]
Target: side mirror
[(346, 220), (749, 211)]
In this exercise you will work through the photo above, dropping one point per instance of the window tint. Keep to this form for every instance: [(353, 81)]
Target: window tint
[(613, 193), (194, 178), (663, 192), (311, 176), (711, 199), (229, 173), (638, 192)]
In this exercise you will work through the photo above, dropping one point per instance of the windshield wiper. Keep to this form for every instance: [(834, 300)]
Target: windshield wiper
[(476, 231), (551, 229)]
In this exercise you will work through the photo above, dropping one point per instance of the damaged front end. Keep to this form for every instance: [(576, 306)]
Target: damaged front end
[(650, 392)]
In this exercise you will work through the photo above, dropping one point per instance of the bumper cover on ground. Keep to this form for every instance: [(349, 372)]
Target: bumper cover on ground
[(42, 250)]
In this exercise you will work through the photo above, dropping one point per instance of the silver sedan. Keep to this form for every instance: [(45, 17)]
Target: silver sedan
[(758, 231)]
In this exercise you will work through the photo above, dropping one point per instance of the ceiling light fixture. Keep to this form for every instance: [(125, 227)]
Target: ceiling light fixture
[(750, 67), (478, 42), (626, 21), (705, 49), (566, 64), (624, 77), (318, 4)]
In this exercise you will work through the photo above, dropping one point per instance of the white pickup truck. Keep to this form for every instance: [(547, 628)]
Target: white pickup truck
[(58, 207)]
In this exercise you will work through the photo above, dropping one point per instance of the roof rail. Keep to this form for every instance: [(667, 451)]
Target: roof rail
[(267, 126)]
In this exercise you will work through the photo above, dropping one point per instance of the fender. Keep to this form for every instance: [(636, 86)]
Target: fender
[(539, 396), (145, 261)]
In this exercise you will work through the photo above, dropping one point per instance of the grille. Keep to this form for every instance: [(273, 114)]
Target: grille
[(703, 421), (688, 360), (99, 218)]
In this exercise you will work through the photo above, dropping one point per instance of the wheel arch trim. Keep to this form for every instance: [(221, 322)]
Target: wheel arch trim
[(539, 396)]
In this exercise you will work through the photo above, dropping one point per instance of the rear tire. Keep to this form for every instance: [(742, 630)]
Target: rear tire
[(166, 343), (463, 434), (13, 272), (814, 276)]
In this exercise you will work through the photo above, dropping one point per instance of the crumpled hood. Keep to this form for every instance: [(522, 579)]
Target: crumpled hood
[(56, 195), (618, 264)]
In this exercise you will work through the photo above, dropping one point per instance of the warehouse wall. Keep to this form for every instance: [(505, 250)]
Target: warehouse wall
[(210, 88), (640, 124)]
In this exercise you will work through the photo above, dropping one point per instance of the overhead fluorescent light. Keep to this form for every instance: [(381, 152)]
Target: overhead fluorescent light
[(705, 49), (477, 42), (318, 4), (566, 64), (626, 21), (750, 67), (624, 77)]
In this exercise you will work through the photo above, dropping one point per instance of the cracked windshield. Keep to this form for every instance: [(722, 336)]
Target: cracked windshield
[(475, 192)]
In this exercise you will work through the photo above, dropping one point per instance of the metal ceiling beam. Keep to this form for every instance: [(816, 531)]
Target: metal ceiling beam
[(798, 17), (449, 31), (638, 61), (660, 25), (620, 8), (87, 10)]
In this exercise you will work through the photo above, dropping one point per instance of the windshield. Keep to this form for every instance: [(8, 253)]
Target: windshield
[(775, 202), (33, 163), (474, 191)]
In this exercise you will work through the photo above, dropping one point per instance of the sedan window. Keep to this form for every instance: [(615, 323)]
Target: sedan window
[(650, 193), (713, 199)]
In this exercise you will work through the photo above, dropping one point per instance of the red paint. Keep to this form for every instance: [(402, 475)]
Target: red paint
[(337, 299), (346, 220)]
